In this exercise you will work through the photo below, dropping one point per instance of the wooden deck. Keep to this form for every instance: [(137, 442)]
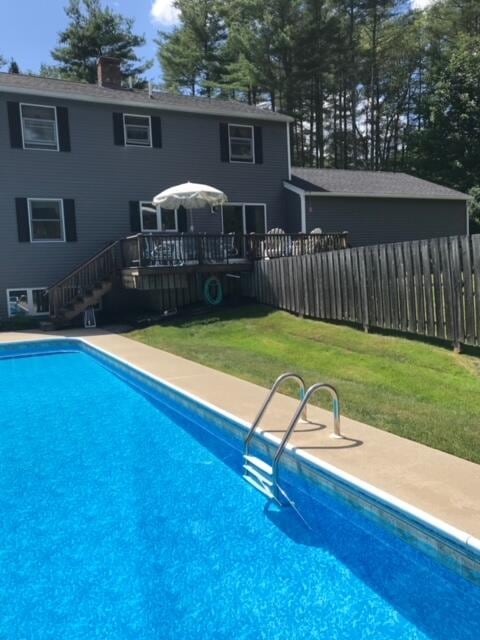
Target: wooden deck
[(165, 261)]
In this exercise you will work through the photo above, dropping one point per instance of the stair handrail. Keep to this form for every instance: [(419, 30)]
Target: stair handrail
[(55, 291), (82, 265), (293, 423), (282, 378)]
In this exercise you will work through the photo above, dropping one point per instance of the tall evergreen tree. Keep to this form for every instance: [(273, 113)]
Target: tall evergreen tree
[(94, 31), (365, 80), (191, 55), (447, 149), (13, 67)]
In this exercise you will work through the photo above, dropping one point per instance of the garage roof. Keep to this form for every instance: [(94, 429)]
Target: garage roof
[(357, 183)]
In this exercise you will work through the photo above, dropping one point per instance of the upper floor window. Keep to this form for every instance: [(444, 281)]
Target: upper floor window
[(241, 143), (157, 219), (39, 127), (46, 220), (138, 131)]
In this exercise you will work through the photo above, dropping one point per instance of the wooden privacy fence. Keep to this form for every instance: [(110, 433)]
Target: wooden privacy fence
[(425, 287)]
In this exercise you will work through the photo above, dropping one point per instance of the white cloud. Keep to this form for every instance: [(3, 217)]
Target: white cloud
[(164, 12)]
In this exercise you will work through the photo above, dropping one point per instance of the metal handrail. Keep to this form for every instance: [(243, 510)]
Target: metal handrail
[(301, 407), (273, 390)]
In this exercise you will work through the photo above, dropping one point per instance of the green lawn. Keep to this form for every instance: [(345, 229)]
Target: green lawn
[(414, 389)]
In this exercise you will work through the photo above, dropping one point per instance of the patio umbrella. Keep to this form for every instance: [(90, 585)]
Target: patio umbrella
[(191, 196)]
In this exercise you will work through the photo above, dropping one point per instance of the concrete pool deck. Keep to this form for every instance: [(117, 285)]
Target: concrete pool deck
[(439, 483)]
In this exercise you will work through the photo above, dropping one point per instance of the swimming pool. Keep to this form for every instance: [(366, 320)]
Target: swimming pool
[(124, 515)]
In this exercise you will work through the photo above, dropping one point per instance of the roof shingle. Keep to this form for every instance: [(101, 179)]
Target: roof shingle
[(369, 183), (36, 85)]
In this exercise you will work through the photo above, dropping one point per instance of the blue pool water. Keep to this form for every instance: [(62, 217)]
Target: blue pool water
[(122, 519)]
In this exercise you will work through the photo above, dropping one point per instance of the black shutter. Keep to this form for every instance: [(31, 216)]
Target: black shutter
[(182, 219), (258, 135), (156, 132), (23, 226), (63, 129), (224, 153), (118, 134), (135, 216), (14, 125), (69, 219)]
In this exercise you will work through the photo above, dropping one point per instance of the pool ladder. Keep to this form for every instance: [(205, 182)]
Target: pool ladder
[(264, 476)]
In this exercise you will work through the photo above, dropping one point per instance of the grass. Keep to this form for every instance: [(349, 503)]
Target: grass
[(417, 390)]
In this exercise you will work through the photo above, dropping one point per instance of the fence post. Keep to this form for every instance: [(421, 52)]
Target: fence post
[(363, 289)]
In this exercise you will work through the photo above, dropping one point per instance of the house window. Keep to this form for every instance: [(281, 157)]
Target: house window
[(157, 219), (39, 127), (148, 217), (244, 218), (138, 131), (46, 220), (27, 302), (241, 143), (168, 219)]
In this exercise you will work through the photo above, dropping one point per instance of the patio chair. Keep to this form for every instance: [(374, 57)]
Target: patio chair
[(164, 251), (231, 245), (314, 244), (278, 244)]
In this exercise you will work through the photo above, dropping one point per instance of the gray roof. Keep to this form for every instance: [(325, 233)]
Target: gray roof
[(370, 183), (65, 89)]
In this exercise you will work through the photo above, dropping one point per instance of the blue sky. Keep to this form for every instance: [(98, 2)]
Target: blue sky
[(29, 28), (38, 22)]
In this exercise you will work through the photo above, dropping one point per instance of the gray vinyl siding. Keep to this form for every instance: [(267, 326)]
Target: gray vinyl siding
[(383, 220), (293, 223), (102, 178)]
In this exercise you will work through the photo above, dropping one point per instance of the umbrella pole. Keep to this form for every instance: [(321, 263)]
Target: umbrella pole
[(191, 220)]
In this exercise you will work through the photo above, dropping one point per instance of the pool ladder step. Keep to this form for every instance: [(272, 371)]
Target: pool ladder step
[(264, 476), (259, 474)]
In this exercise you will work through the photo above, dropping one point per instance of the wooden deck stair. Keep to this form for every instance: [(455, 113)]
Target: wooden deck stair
[(85, 286), (82, 302)]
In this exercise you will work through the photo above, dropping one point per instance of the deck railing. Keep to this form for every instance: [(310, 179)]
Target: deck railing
[(83, 278), (176, 250)]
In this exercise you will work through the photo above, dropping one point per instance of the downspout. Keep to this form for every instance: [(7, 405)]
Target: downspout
[(303, 212), (289, 152)]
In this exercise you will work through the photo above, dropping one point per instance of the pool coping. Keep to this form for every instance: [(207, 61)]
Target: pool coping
[(445, 538)]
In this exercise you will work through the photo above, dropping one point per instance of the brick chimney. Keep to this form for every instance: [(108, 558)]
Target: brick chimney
[(108, 72)]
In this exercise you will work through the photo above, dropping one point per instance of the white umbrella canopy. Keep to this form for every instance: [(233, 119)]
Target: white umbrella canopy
[(191, 196)]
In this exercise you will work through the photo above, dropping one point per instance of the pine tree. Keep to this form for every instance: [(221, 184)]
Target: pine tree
[(447, 149), (13, 67), (191, 55), (95, 31)]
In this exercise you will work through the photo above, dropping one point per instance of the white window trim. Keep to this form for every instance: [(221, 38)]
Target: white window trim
[(47, 106), (29, 291), (132, 144), (62, 220), (159, 219), (244, 215), (247, 126)]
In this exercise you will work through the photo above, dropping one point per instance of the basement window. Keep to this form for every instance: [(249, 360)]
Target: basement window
[(27, 302)]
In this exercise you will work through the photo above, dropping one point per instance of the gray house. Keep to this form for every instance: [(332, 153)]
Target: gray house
[(374, 207), (80, 164)]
